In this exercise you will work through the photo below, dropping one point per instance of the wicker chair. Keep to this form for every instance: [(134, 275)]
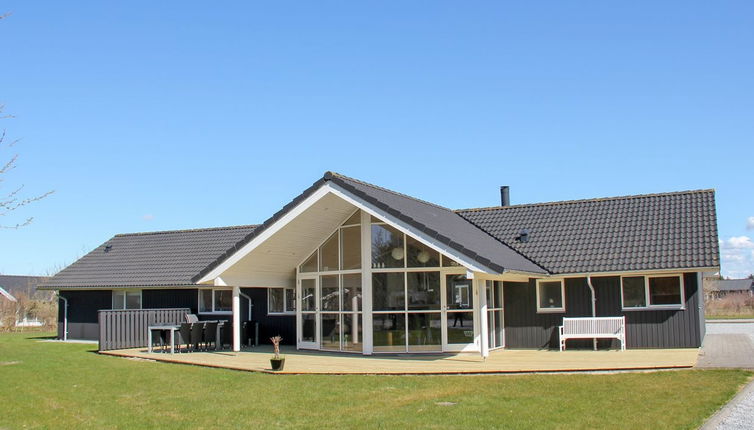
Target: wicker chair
[(184, 336), (197, 335), (210, 334)]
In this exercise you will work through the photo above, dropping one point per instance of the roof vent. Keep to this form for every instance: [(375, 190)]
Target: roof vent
[(505, 196), (108, 248), (523, 236)]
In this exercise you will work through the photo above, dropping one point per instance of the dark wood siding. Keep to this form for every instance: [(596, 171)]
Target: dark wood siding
[(270, 325), (173, 298), (525, 328), (82, 312)]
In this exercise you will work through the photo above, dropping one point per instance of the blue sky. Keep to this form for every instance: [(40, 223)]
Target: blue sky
[(170, 115)]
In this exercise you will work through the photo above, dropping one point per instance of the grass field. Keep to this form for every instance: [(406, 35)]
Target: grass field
[(730, 316), (55, 385)]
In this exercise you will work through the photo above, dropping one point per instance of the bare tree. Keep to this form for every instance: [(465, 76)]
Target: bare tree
[(13, 198)]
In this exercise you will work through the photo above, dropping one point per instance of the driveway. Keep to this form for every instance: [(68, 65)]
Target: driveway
[(728, 345)]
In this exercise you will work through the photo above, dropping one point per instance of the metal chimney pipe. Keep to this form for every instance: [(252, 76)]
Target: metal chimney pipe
[(505, 197)]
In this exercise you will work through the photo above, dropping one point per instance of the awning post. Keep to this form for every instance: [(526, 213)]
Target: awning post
[(236, 319)]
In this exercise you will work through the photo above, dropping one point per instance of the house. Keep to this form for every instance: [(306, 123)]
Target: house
[(20, 300), (718, 288), (23, 285), (353, 267), (6, 297)]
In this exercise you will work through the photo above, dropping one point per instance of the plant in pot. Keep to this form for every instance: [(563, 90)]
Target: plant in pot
[(276, 362)]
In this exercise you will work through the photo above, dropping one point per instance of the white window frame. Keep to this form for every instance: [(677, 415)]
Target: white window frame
[(125, 298), (285, 301), (213, 311), (561, 309), (648, 306)]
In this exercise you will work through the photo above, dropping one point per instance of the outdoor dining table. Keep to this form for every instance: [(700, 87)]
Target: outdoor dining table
[(163, 327), (174, 328)]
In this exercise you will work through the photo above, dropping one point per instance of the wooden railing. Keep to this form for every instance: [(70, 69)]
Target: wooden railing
[(120, 329)]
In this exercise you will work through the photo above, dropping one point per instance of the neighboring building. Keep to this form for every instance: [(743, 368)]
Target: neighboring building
[(349, 266), (19, 285), (718, 288), (6, 297), (21, 311)]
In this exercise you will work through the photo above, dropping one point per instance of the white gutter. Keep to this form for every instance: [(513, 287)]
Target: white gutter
[(65, 316), (594, 305), (247, 298)]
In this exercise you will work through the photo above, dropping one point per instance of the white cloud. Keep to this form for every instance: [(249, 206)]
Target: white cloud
[(148, 217), (737, 256), (750, 223), (737, 242)]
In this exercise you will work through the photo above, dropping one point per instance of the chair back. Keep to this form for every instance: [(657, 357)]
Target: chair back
[(210, 331), (185, 332), (192, 318), (196, 333), (226, 333)]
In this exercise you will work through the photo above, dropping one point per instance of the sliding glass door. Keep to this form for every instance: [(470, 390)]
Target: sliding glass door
[(495, 314), (308, 321), (459, 313)]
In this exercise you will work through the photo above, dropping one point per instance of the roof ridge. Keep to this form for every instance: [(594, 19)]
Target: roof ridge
[(596, 199), (330, 174), (190, 230)]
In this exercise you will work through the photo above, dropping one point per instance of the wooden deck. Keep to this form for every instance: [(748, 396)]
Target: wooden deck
[(501, 361)]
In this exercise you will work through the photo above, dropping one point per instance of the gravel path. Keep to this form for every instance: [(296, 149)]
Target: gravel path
[(736, 415), (731, 345)]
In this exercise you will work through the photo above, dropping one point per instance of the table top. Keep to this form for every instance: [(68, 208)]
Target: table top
[(164, 327), (178, 326)]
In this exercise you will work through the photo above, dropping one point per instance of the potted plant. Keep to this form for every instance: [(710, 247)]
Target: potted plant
[(276, 362)]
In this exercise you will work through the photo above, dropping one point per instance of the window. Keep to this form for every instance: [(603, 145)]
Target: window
[(550, 295), (216, 301), (126, 299), (634, 292), (387, 247), (648, 292), (281, 301)]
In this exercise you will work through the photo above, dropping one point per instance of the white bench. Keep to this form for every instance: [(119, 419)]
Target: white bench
[(593, 327)]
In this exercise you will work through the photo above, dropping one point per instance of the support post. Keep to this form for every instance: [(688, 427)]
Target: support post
[(484, 344), (366, 283), (236, 319)]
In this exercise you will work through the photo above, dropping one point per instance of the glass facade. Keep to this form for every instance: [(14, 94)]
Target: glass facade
[(421, 301)]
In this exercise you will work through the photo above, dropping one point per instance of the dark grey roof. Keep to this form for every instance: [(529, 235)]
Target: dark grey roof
[(15, 284), (731, 284), (441, 224), (649, 232), (644, 232), (167, 258)]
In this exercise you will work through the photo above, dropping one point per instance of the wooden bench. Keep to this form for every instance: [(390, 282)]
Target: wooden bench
[(592, 328)]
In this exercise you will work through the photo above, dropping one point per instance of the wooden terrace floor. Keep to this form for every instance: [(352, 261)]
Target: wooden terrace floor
[(501, 361)]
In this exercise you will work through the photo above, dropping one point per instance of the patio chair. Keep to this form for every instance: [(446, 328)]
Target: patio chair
[(184, 336), (197, 335), (192, 318), (226, 335), (210, 334), (248, 333)]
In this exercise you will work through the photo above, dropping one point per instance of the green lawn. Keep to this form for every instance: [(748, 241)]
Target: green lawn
[(54, 385)]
